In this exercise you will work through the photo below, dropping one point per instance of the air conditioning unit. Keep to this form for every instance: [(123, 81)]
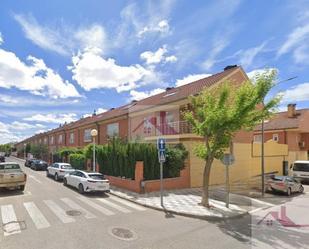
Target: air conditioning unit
[(301, 144)]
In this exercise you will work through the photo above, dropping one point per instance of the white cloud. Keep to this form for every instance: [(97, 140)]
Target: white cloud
[(247, 56), (98, 111), (162, 27), (101, 110), (1, 38), (53, 118), (254, 73), (157, 56), (61, 38), (297, 93), (91, 71), (16, 125), (8, 99), (138, 95), (190, 78), (295, 38), (33, 76)]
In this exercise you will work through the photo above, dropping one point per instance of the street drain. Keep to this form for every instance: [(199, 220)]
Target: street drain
[(123, 233), (73, 212)]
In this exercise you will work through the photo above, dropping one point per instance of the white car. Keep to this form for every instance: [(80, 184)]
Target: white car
[(86, 181), (59, 170), (300, 170)]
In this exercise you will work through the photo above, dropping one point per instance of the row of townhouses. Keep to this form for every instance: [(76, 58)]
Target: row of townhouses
[(286, 134)]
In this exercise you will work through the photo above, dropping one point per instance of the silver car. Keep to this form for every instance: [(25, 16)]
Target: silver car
[(284, 184)]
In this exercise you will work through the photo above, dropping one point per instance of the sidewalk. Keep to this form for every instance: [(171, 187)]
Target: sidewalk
[(182, 202)]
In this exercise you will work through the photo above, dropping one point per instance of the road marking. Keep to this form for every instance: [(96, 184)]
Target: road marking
[(255, 210), (113, 205), (37, 217), (10, 224), (128, 203), (95, 206), (34, 178), (58, 211), (74, 205)]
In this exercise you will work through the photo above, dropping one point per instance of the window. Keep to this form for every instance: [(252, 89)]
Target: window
[(40, 141), (87, 135), (257, 138), (51, 140), (147, 125), (276, 137), (72, 138), (113, 129), (45, 140), (60, 138)]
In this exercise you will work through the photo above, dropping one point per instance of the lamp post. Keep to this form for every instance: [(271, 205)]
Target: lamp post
[(262, 140), (94, 133), (25, 145)]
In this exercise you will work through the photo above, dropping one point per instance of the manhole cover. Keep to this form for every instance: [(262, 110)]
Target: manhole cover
[(73, 212), (123, 233)]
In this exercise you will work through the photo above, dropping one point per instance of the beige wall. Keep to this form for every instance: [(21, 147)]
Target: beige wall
[(246, 168)]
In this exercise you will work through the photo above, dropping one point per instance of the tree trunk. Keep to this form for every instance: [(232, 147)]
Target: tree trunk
[(206, 175)]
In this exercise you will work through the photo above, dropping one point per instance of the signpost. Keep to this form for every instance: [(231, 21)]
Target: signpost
[(161, 157), (228, 159)]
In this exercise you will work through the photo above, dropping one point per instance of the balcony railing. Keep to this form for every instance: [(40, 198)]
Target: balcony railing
[(172, 128)]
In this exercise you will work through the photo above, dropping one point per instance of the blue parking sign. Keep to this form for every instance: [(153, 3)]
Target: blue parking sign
[(161, 156)]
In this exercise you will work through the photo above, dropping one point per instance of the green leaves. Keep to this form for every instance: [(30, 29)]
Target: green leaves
[(219, 112)]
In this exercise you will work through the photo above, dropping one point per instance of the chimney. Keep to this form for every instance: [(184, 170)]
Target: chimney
[(291, 110)]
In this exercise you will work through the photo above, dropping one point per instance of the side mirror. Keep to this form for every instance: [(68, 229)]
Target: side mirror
[(291, 166)]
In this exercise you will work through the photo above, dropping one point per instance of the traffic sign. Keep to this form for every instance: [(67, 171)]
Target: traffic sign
[(161, 144), (228, 159), (161, 156)]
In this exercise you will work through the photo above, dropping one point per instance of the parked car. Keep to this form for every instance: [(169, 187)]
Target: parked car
[(2, 159), (285, 184), (29, 161), (59, 170), (11, 176), (87, 181), (300, 170), (38, 165)]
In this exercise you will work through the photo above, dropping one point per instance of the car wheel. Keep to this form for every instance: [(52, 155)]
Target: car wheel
[(81, 188), (301, 189), (56, 177), (65, 183), (288, 192), (22, 188)]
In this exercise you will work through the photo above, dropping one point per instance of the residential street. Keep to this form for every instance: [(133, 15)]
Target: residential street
[(43, 223)]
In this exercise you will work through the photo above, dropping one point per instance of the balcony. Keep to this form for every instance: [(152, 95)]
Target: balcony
[(171, 128)]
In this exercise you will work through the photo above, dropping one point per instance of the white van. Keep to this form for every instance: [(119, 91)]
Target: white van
[(300, 170)]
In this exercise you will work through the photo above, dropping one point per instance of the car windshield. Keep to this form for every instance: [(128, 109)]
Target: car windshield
[(301, 167), (96, 176), (66, 166), (277, 178), (10, 167)]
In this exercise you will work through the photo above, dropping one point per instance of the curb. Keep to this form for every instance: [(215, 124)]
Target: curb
[(200, 217)]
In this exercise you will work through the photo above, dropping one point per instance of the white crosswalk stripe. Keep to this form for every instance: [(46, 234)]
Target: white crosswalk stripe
[(37, 217), (128, 203), (95, 206), (58, 211), (10, 225), (74, 205), (113, 205)]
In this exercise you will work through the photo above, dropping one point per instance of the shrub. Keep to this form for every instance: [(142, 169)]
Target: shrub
[(78, 161)]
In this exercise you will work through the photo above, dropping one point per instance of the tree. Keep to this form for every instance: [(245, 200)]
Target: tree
[(39, 151), (218, 113)]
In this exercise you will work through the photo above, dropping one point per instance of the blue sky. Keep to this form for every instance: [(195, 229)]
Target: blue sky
[(62, 59)]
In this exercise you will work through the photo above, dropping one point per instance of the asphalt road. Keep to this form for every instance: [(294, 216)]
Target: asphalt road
[(42, 222)]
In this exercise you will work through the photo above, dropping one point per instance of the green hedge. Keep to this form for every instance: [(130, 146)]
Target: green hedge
[(78, 161), (118, 159)]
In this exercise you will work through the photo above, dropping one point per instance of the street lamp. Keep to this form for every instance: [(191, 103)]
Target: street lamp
[(94, 133), (262, 140), (25, 145)]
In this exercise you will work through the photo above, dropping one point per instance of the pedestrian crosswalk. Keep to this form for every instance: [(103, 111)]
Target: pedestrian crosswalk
[(43, 213)]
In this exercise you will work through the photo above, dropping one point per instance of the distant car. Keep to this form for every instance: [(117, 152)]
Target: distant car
[(59, 170), (87, 181), (285, 184), (7, 154), (300, 170), (29, 161), (11, 176), (2, 159), (38, 165)]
